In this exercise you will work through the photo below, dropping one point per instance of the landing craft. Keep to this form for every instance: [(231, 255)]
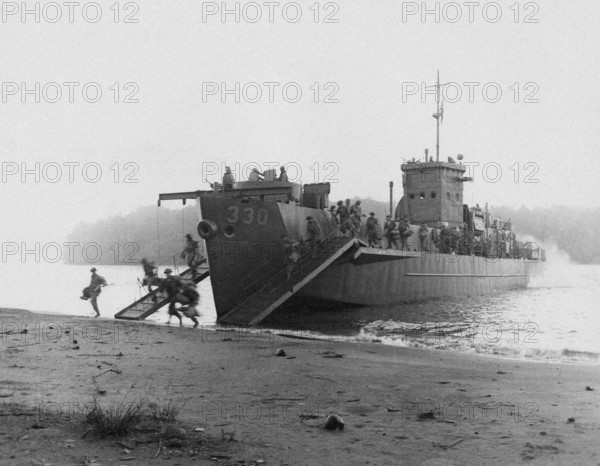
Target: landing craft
[(448, 248)]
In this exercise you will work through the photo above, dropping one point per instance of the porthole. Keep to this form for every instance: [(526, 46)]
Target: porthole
[(448, 196), (457, 197), (229, 231), (412, 196), (422, 196), (433, 194)]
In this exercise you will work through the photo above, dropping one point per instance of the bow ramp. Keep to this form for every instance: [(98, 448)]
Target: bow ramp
[(279, 289), (152, 302)]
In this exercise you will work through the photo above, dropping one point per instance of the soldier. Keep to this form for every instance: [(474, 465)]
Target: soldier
[(343, 215), (95, 288), (314, 235), (446, 239), (291, 253), (334, 214), (228, 179), (371, 224), (173, 286), (283, 175), (150, 276), (189, 298), (355, 216), (423, 234), (191, 253), (405, 232), (389, 228)]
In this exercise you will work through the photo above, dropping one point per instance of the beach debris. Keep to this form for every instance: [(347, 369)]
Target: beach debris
[(174, 432), (229, 436), (174, 443), (198, 429), (393, 410), (127, 458), (280, 352), (98, 389), (5, 393), (426, 416), (331, 354), (260, 461), (452, 444), (124, 445), (159, 448), (76, 347), (571, 420), (333, 422), (38, 426), (353, 400), (589, 389)]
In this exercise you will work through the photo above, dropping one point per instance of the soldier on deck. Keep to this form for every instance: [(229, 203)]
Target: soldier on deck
[(228, 179), (405, 231), (371, 224), (343, 215), (283, 174), (389, 228), (333, 213), (423, 234), (356, 216)]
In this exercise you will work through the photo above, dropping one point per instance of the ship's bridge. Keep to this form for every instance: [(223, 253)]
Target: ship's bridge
[(433, 192)]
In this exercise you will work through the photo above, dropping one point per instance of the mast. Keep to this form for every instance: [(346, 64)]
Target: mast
[(437, 118)]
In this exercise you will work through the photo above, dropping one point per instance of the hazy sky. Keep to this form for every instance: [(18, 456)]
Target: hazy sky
[(369, 65)]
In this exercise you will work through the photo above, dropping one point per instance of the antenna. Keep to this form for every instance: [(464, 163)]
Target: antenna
[(437, 118)]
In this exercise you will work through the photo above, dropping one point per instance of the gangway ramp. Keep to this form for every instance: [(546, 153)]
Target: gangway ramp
[(152, 302), (279, 289)]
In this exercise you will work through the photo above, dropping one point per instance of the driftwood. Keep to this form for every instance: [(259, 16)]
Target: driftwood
[(98, 389)]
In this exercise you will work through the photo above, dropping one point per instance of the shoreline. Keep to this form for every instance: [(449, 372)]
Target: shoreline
[(400, 405)]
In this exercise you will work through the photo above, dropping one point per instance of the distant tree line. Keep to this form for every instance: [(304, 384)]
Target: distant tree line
[(157, 233)]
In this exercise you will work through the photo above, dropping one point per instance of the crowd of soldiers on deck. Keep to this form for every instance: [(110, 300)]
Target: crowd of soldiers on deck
[(498, 243)]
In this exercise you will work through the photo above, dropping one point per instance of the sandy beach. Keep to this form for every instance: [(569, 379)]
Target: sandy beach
[(240, 404)]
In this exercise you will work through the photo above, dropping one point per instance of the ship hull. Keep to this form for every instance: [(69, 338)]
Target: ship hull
[(246, 257), (368, 281)]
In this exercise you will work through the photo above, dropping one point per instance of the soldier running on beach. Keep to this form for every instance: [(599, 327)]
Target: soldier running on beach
[(95, 288), (173, 286)]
